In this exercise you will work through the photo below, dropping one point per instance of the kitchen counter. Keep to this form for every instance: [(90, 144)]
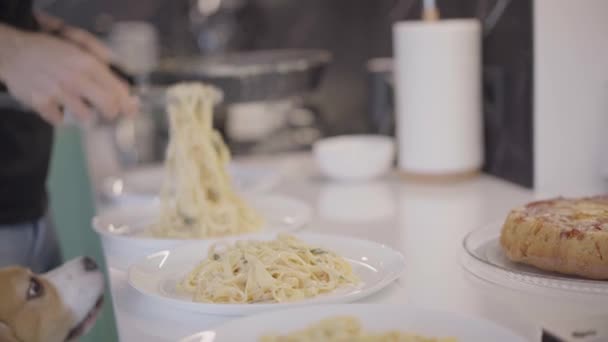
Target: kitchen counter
[(426, 222)]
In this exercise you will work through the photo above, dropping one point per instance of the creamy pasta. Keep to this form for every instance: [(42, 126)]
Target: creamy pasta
[(280, 270), (197, 198)]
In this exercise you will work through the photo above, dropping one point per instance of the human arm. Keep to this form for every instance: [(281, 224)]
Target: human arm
[(49, 74)]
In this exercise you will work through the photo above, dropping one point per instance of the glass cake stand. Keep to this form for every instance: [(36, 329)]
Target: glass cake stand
[(485, 259)]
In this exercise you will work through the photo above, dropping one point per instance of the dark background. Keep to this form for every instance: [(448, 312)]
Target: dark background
[(353, 31)]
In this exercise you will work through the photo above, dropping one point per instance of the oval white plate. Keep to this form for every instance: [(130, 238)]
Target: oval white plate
[(157, 275), (373, 317), (145, 183), (122, 228)]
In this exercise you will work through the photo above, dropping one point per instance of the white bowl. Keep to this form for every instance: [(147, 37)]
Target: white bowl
[(354, 157), (122, 228)]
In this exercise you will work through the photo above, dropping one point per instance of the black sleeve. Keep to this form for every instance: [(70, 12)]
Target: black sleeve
[(18, 13), (25, 142)]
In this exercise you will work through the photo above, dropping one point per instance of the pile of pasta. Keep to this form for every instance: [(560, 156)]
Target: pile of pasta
[(279, 270), (197, 199)]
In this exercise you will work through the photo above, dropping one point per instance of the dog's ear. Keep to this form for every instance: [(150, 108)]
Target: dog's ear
[(6, 333)]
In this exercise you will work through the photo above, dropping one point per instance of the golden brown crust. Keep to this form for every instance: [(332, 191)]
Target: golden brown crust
[(568, 236)]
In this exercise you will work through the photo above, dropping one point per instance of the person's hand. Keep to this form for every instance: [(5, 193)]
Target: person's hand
[(49, 74)]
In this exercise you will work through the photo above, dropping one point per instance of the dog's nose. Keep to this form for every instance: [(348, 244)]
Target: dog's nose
[(89, 264)]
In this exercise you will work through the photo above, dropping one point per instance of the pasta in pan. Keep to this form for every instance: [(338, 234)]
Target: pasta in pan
[(197, 198), (280, 270), (347, 329)]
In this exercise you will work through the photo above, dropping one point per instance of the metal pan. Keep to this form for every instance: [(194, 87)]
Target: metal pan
[(250, 76)]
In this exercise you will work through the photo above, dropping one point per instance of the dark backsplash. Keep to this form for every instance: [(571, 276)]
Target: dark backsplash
[(355, 31), (508, 94)]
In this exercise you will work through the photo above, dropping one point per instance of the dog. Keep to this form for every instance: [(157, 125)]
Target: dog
[(57, 306)]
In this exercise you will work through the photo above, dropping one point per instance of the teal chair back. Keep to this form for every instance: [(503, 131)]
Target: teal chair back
[(72, 207)]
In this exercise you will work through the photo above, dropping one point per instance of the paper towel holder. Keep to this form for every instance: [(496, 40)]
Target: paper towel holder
[(447, 145)]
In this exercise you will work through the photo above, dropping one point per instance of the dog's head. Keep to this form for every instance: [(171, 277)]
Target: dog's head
[(58, 306)]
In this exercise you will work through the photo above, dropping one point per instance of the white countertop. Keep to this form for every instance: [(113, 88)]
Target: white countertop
[(426, 222)]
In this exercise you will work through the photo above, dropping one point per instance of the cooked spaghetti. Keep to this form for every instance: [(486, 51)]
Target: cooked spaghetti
[(197, 198), (346, 328), (280, 270)]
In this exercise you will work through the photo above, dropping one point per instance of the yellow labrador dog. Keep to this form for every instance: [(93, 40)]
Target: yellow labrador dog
[(57, 306)]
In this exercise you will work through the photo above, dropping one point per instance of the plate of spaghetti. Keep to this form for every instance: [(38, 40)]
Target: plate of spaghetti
[(357, 323), (198, 198), (237, 276)]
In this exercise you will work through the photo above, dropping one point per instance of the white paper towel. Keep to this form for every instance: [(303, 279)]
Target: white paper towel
[(437, 88)]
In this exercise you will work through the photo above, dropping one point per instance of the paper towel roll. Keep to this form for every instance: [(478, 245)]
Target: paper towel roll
[(437, 92)]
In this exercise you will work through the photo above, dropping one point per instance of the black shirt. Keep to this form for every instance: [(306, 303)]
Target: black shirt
[(25, 142)]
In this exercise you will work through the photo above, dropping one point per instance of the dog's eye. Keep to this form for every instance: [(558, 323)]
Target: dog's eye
[(35, 289)]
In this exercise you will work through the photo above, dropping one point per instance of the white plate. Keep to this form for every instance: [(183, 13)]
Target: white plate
[(486, 259), (373, 317), (122, 228), (157, 275), (145, 183)]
